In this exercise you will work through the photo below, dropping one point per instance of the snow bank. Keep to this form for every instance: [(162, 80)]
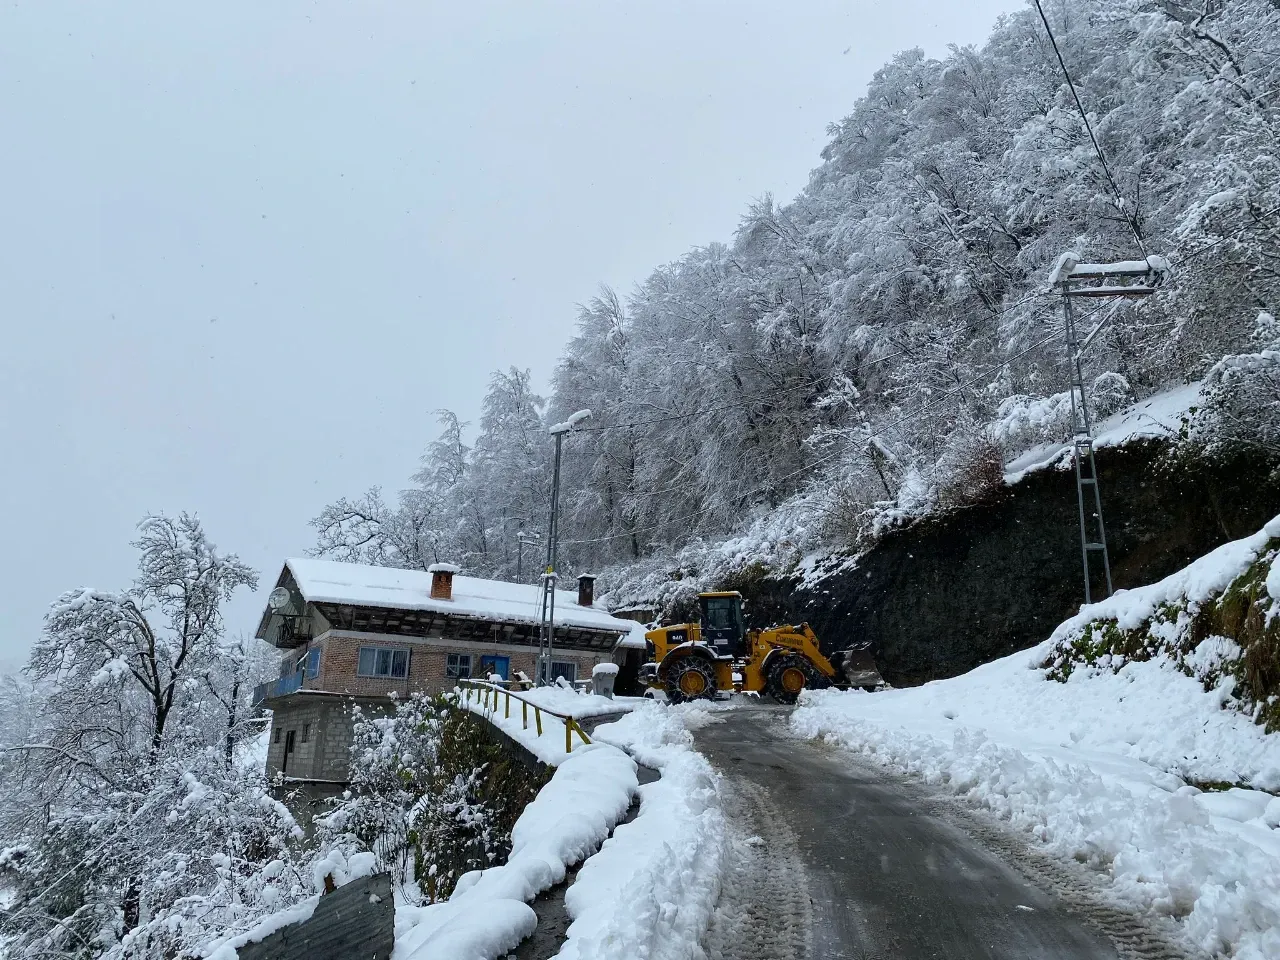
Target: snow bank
[(1096, 768), (488, 913), (1192, 585), (522, 726), (650, 890)]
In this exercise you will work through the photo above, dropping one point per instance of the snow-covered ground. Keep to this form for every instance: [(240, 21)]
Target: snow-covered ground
[(1157, 416), (1097, 768)]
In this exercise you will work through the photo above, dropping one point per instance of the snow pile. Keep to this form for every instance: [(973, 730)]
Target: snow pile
[(488, 913), (1102, 767), (650, 890), (520, 723)]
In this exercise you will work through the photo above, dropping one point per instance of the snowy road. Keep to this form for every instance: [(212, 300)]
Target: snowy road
[(834, 858)]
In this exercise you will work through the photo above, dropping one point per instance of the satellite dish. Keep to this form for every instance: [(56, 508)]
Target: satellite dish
[(278, 598)]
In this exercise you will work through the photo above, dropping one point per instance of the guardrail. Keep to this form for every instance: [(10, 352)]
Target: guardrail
[(487, 695)]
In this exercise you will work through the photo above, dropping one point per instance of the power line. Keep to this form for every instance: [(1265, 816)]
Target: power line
[(746, 401), (1097, 148), (878, 433)]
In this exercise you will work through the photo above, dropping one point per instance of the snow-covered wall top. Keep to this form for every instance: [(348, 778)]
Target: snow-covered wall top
[(358, 584)]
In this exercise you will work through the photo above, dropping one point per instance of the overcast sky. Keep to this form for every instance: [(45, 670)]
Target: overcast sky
[(247, 247)]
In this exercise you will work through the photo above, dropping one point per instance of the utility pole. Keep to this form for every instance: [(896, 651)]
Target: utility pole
[(1136, 278), (521, 539), (546, 636)]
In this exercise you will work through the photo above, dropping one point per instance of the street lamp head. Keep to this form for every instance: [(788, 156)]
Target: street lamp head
[(573, 421)]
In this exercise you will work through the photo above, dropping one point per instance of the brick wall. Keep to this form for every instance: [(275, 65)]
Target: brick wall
[(428, 662)]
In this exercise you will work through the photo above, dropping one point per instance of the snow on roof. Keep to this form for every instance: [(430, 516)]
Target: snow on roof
[(362, 585)]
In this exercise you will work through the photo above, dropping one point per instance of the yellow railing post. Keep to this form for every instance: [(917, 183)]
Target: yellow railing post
[(537, 716), (524, 706), (507, 713)]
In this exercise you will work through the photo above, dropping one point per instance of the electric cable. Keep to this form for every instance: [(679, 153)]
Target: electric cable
[(1097, 148)]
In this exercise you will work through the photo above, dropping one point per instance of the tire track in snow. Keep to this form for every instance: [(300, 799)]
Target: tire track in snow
[(1134, 936), (764, 912)]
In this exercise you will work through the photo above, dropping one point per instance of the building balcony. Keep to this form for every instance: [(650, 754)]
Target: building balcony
[(290, 632), (280, 687)]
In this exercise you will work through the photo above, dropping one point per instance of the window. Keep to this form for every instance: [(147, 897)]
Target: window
[(564, 668), (458, 665), (306, 732), (277, 734), (312, 665), (382, 662)]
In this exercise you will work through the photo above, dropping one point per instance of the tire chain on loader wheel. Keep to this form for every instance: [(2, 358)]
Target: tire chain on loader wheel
[(697, 667), (780, 682)]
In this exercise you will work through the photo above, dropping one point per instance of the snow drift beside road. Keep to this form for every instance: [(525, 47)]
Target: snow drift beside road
[(1094, 768), (650, 890), (488, 913)]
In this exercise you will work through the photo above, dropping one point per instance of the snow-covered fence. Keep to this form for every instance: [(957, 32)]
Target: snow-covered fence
[(355, 920), (485, 698)]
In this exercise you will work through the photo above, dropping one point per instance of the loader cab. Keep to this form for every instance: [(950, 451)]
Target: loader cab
[(721, 624)]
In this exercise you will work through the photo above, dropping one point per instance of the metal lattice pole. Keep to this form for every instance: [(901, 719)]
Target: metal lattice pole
[(1086, 465)]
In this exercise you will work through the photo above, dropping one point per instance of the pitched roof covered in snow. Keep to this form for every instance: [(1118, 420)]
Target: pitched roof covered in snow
[(362, 585)]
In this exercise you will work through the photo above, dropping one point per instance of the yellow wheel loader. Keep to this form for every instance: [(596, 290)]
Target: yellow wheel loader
[(717, 655)]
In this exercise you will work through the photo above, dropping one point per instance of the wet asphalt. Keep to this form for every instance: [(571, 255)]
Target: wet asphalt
[(888, 878)]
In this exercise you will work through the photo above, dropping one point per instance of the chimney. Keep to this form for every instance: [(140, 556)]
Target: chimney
[(442, 580), (586, 589)]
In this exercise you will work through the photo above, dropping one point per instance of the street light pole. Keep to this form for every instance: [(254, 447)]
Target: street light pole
[(546, 637)]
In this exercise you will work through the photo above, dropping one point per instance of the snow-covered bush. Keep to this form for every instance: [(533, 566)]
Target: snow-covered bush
[(1241, 408), (1022, 421), (432, 795)]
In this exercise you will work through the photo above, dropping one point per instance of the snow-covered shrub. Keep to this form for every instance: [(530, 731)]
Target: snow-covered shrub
[(1022, 421), (432, 795), (1241, 408), (970, 470)]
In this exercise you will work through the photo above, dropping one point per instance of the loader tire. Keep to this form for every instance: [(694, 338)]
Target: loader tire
[(790, 674), (691, 678)]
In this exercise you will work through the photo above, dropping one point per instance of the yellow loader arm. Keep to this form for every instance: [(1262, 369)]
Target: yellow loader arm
[(799, 638)]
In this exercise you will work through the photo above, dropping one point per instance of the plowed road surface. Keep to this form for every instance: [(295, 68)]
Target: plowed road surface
[(834, 858)]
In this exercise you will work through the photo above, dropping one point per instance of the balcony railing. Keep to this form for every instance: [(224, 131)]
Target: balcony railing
[(292, 631), (290, 683)]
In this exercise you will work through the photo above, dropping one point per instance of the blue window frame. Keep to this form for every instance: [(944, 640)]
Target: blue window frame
[(313, 663)]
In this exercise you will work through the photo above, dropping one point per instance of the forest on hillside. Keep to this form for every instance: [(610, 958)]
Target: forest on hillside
[(875, 349)]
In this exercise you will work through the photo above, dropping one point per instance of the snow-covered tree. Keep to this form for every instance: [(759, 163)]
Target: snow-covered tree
[(128, 825)]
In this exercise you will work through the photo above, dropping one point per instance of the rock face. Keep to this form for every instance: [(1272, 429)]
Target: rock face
[(946, 595)]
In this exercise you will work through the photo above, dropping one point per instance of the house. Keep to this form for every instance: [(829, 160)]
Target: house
[(354, 634)]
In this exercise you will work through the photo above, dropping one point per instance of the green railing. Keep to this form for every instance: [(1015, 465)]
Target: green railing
[(489, 696)]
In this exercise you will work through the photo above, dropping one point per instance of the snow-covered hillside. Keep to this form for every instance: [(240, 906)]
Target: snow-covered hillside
[(1127, 762)]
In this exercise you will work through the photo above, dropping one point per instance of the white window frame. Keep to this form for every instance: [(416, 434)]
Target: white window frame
[(453, 663)]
